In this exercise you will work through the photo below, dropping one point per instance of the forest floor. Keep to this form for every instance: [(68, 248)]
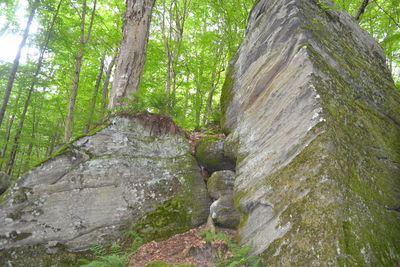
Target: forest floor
[(187, 247)]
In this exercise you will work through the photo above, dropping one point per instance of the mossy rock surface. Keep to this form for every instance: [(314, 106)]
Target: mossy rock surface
[(37, 255), (220, 183), (137, 171), (316, 117), (210, 153)]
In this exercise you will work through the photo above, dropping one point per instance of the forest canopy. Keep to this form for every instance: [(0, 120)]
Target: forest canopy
[(73, 45)]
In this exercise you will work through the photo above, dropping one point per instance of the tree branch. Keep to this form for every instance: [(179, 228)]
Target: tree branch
[(361, 9)]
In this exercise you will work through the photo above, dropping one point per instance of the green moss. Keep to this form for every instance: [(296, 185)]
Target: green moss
[(180, 213), (171, 217), (210, 153), (206, 152), (69, 146), (5, 195), (231, 149), (368, 182), (165, 264), (340, 192), (39, 256)]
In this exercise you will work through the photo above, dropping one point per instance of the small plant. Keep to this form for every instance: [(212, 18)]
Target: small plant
[(112, 260), (137, 240), (98, 250), (115, 248), (113, 255), (326, 6), (235, 256), (209, 237)]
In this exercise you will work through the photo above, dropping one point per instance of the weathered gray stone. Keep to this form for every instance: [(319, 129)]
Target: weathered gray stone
[(220, 183), (100, 185), (210, 153), (4, 182), (220, 188), (223, 212), (314, 110)]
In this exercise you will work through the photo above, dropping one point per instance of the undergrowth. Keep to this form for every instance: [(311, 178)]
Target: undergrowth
[(163, 103), (229, 253), (114, 255)]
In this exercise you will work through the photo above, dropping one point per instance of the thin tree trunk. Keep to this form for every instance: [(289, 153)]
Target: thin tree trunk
[(9, 127), (35, 126), (133, 50), (54, 137), (180, 20), (199, 100), (30, 146), (361, 9), (214, 81), (107, 83), (14, 69), (78, 65), (167, 48), (94, 97), (216, 75), (172, 39), (17, 136)]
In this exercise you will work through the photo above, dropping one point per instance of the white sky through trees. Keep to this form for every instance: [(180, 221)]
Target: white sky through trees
[(9, 41)]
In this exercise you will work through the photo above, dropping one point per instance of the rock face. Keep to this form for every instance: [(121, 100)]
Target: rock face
[(220, 188), (210, 152), (315, 115), (4, 182), (136, 173)]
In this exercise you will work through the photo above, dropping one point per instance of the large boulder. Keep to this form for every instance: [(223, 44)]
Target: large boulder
[(220, 189), (313, 108), (210, 153), (136, 173)]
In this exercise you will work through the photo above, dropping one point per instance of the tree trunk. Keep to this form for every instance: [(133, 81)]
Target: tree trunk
[(167, 39), (8, 131), (27, 158), (172, 39), (56, 135), (106, 84), (78, 65), (133, 50), (94, 97), (361, 10), (17, 136), (14, 69), (214, 81)]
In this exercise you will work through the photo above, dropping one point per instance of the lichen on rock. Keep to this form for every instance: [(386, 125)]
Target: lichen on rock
[(314, 111), (97, 186)]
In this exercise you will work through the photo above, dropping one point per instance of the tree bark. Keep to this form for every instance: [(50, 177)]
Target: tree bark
[(78, 65), (133, 50), (8, 131), (14, 69), (172, 38), (361, 9), (107, 83), (94, 96), (27, 157)]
